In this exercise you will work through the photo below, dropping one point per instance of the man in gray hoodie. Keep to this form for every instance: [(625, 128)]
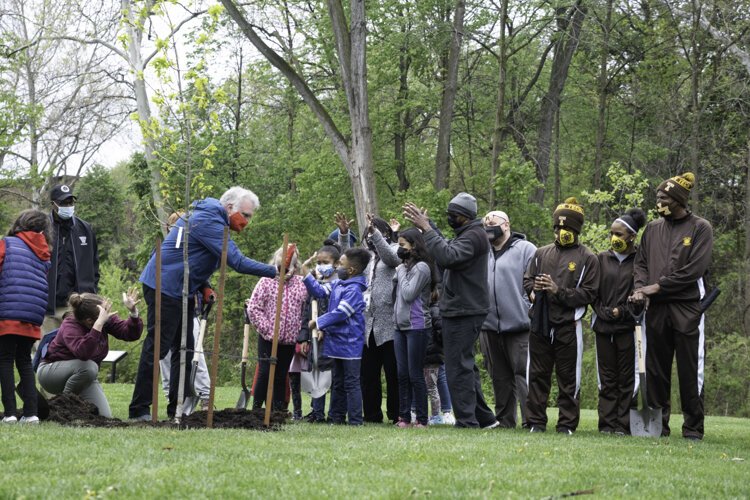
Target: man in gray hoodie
[(463, 303), (505, 334)]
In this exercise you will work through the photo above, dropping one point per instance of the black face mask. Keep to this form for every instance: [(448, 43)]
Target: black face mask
[(342, 273), (453, 221), (403, 253), (494, 232)]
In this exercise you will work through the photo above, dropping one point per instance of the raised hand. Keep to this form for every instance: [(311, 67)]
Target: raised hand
[(130, 299), (395, 225), (342, 222), (416, 216)]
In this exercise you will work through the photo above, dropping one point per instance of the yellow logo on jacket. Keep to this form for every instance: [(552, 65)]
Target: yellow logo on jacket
[(687, 241), (571, 266)]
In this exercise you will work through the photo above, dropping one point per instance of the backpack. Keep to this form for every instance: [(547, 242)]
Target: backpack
[(41, 350)]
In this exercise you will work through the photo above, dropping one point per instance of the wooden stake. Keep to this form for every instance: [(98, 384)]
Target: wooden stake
[(217, 328), (276, 325), (156, 380)]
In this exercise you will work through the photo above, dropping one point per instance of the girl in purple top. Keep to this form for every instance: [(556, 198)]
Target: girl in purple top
[(414, 285), (72, 362)]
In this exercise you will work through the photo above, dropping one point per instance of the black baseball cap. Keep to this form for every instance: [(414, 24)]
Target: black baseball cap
[(61, 192)]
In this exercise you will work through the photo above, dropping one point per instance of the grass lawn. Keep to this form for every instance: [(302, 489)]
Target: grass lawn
[(306, 460)]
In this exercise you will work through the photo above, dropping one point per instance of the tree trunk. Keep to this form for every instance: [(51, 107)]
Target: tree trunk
[(134, 30), (569, 30), (746, 309), (352, 57), (695, 68), (442, 157), (497, 135), (601, 124)]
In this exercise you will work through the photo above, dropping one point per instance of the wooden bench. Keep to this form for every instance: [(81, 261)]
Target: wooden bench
[(114, 357)]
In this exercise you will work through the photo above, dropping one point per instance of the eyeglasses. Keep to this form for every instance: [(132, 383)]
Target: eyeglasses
[(246, 215)]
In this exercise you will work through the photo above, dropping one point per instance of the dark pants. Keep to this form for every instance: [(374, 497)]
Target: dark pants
[(564, 355), (663, 342), (377, 358), (171, 338), (505, 356), (17, 349), (460, 334), (318, 406), (284, 355), (445, 395), (295, 385), (346, 392), (410, 347), (615, 360)]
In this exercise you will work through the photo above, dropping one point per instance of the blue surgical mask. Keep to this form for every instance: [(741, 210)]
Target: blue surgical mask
[(324, 270), (65, 212)]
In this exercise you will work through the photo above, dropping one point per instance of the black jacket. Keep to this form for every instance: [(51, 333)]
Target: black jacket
[(434, 353), (464, 258), (85, 275)]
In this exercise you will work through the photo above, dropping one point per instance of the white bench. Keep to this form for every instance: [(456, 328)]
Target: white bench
[(113, 357)]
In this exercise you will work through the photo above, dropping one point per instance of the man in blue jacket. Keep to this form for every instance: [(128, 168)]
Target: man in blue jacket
[(205, 226)]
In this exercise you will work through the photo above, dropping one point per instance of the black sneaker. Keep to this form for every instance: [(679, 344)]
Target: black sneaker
[(534, 429), (565, 430)]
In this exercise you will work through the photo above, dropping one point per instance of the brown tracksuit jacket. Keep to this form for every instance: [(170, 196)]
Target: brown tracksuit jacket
[(575, 270), (676, 254), (615, 286)]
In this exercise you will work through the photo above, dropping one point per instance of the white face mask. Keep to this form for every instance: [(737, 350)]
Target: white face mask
[(65, 212)]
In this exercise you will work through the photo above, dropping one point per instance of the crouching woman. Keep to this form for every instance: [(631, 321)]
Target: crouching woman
[(72, 362)]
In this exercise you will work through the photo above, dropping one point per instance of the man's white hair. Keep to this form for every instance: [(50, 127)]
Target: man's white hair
[(236, 195)]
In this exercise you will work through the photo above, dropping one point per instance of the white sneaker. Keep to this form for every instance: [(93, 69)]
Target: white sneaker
[(29, 420), (436, 420), (448, 418), (10, 420)]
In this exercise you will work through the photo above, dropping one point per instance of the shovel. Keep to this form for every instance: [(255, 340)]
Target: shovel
[(644, 421), (198, 353), (315, 382), (245, 393)]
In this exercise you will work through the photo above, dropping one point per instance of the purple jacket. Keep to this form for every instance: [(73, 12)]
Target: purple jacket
[(74, 341)]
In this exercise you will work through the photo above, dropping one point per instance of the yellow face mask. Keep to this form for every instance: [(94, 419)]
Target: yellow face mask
[(618, 244), (566, 237)]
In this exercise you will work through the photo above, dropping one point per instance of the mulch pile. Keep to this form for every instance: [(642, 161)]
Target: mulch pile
[(70, 410)]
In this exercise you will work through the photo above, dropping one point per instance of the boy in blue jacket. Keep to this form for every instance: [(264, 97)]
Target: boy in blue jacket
[(344, 328)]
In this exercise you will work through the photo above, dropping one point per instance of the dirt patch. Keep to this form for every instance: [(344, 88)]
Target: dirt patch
[(71, 410), (232, 418)]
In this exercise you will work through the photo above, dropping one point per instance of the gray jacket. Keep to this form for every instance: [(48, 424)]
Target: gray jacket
[(509, 304), (413, 291), (379, 294)]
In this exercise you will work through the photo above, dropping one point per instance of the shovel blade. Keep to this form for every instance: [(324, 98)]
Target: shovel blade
[(315, 383), (646, 422), (244, 399)]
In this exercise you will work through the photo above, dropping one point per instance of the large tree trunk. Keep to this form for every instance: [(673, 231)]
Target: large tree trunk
[(498, 132), (601, 123), (569, 30), (352, 56), (442, 157)]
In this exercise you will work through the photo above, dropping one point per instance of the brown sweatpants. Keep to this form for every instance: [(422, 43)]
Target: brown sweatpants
[(676, 329), (564, 353), (615, 362)]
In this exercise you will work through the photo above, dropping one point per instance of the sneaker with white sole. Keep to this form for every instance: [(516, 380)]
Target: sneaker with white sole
[(143, 418), (29, 420), (436, 420), (448, 418), (10, 420)]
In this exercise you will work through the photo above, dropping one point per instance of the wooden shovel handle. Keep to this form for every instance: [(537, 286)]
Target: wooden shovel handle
[(245, 342)]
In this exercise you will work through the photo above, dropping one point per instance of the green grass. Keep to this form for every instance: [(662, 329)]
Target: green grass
[(319, 461)]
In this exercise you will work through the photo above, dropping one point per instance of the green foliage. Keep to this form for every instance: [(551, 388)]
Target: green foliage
[(101, 203), (627, 191)]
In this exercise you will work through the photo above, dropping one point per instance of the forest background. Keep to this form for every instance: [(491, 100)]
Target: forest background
[(325, 106)]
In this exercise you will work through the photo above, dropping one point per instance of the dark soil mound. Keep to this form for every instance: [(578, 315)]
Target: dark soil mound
[(71, 410), (232, 418)]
